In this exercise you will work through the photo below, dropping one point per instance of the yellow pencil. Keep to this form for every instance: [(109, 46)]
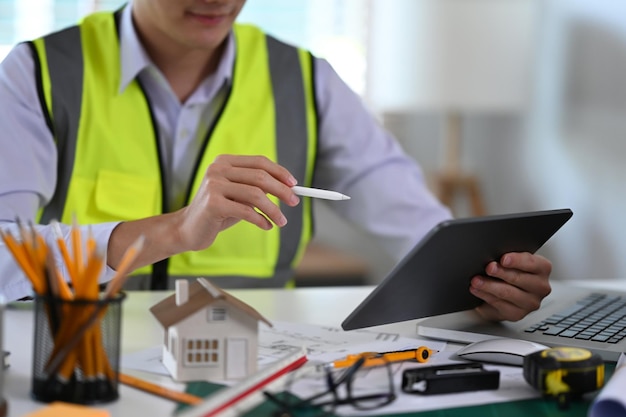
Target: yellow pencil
[(121, 275), (421, 354), (21, 257), (34, 256), (65, 253), (87, 287), (77, 248), (178, 396), (71, 334)]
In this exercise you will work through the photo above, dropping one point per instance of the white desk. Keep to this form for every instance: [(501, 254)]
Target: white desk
[(323, 306)]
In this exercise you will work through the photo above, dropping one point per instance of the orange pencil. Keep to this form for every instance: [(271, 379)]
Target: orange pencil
[(420, 354), (178, 396), (72, 334), (91, 243), (87, 289), (62, 289), (21, 257), (28, 243), (92, 343), (65, 253), (39, 245), (121, 275), (77, 248), (87, 285), (34, 256)]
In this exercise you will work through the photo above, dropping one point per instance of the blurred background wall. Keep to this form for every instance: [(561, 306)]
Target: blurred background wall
[(536, 88)]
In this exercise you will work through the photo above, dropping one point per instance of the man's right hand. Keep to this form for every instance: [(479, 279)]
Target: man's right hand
[(235, 188)]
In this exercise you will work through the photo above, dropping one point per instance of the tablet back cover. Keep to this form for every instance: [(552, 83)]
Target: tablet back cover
[(433, 278)]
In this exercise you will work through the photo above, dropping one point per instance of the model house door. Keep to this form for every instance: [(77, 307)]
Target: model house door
[(236, 358)]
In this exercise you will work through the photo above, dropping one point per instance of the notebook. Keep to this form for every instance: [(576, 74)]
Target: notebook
[(569, 316), (433, 278)]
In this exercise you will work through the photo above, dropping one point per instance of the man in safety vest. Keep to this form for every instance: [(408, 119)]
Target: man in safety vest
[(168, 120)]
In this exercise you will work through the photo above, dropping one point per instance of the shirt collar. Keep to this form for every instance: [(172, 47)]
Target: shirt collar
[(134, 58)]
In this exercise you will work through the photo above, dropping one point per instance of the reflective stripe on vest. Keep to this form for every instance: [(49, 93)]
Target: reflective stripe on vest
[(109, 166)]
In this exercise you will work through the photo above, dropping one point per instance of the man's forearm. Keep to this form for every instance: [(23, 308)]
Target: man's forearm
[(161, 240)]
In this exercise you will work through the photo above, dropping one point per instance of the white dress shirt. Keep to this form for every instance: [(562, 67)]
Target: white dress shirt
[(356, 156)]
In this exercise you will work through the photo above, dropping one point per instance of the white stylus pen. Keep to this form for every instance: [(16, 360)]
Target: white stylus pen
[(317, 193)]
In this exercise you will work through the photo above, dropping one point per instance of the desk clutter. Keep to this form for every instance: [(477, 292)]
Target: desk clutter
[(61, 409), (77, 329), (564, 373), (324, 343), (76, 350)]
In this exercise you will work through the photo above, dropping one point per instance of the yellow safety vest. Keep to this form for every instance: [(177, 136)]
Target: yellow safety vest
[(109, 161)]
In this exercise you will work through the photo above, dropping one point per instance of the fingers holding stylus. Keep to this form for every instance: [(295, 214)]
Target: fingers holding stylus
[(255, 171), (239, 188), (234, 188)]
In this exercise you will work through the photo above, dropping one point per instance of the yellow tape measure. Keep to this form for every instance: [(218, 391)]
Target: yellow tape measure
[(565, 373)]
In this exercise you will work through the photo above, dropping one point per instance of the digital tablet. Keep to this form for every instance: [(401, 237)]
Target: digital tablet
[(433, 278)]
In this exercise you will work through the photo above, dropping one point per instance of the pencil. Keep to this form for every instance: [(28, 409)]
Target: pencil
[(62, 287), (33, 256), (420, 354), (21, 257), (78, 332), (143, 385), (121, 275), (65, 253), (79, 327), (75, 330), (77, 247), (39, 246)]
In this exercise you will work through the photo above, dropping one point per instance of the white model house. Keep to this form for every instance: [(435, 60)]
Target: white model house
[(209, 334)]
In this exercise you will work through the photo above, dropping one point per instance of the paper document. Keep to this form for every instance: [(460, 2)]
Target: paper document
[(322, 344), (611, 401)]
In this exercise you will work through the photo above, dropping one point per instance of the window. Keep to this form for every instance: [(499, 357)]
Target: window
[(22, 20), (217, 314), (201, 352), (332, 29)]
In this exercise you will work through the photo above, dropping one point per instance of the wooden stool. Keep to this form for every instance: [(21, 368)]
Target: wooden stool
[(448, 185), (451, 180)]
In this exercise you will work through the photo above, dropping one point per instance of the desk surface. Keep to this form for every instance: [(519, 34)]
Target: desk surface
[(140, 331)]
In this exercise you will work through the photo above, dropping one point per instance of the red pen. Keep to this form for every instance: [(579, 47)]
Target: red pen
[(241, 394)]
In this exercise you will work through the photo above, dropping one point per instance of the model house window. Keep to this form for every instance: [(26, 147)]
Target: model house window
[(217, 314), (201, 352)]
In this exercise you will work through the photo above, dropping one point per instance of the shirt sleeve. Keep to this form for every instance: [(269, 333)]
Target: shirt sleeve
[(28, 158), (28, 164), (358, 157)]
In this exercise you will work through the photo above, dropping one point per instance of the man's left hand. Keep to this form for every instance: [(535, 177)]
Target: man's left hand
[(512, 287)]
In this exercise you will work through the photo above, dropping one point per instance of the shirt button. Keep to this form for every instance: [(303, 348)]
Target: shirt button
[(184, 134)]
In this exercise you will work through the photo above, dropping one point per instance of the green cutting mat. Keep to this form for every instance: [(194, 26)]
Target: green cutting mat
[(533, 407)]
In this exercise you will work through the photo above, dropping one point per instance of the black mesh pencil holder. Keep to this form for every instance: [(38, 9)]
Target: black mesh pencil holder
[(76, 350)]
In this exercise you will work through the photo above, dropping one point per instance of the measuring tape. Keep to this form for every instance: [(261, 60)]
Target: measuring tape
[(564, 372)]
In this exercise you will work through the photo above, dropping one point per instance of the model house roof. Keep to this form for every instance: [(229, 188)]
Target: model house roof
[(201, 294)]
